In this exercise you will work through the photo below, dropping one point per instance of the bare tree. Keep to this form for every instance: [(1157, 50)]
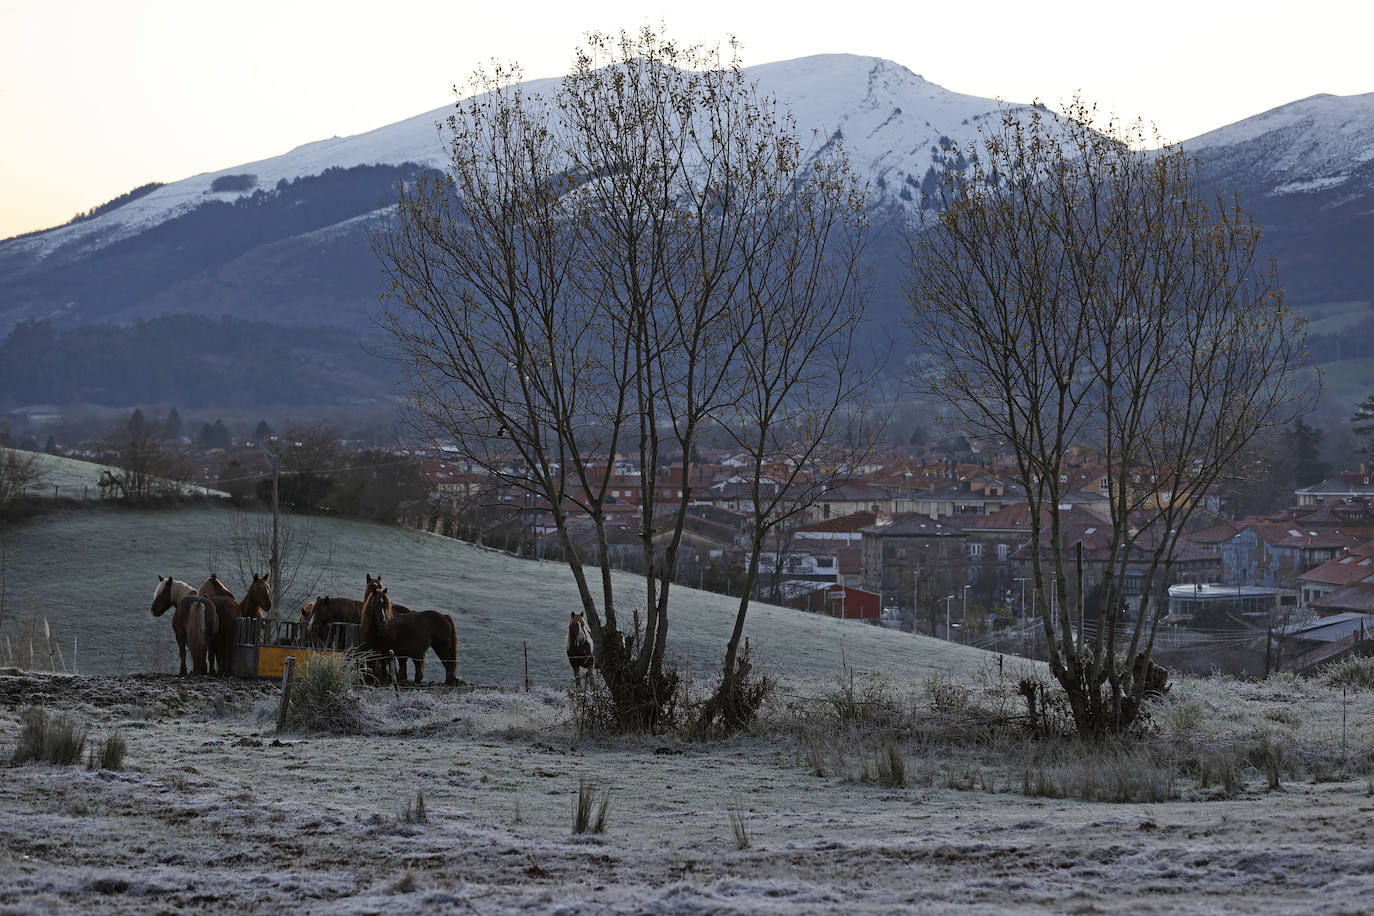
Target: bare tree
[(303, 554), (19, 473), (1075, 288), (589, 280)]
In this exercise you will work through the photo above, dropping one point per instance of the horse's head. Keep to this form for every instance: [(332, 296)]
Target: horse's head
[(213, 586), (162, 596), (308, 610), (258, 599), (578, 630), (376, 606), (372, 585)]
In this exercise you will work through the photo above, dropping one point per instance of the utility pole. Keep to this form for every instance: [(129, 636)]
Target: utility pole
[(948, 599), (275, 571)]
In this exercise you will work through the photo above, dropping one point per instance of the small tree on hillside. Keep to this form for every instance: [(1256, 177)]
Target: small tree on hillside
[(146, 457), (1077, 289)]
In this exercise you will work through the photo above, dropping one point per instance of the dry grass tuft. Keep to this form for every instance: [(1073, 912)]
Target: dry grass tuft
[(1100, 772), (109, 753), (324, 696), (1354, 672), (583, 822), (49, 739), (415, 812), (738, 825), (887, 768)]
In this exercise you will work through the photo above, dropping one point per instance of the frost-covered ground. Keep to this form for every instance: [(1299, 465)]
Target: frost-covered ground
[(213, 812)]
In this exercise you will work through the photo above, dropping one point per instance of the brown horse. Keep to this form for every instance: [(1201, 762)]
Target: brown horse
[(169, 594), (197, 621), (256, 602), (376, 584), (408, 635), (579, 647), (326, 610)]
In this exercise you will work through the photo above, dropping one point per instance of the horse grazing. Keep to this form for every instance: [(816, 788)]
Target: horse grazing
[(326, 610), (579, 647), (257, 600), (408, 635)]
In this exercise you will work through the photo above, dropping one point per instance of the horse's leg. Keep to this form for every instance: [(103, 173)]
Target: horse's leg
[(181, 649), (419, 664)]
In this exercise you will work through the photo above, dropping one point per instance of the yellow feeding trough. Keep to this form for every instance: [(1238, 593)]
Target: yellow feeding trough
[(262, 646)]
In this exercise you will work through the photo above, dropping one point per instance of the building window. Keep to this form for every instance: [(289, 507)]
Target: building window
[(1003, 550), (975, 550)]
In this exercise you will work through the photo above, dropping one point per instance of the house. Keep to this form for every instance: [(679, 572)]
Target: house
[(850, 497), (1354, 569), (1348, 489), (913, 562), (981, 494), (1276, 553)]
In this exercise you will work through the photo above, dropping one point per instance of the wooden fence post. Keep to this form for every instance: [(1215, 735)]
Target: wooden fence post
[(288, 669), (526, 646)]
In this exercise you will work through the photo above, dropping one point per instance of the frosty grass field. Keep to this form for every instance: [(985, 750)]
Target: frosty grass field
[(923, 795)]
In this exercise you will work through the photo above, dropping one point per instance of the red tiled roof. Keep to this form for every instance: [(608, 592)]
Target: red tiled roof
[(1355, 598), (1345, 570)]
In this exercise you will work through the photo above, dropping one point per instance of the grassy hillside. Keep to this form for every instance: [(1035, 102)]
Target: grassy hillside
[(92, 573)]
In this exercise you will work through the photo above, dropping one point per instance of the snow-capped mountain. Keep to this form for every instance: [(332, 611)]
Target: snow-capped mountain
[(1316, 144), (890, 120), (286, 241)]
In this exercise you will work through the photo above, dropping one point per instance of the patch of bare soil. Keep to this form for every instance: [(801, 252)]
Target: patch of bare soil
[(465, 804)]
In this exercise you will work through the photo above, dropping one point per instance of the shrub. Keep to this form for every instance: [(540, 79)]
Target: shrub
[(946, 695), (50, 739)]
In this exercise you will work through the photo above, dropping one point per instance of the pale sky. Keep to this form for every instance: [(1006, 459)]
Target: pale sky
[(100, 96)]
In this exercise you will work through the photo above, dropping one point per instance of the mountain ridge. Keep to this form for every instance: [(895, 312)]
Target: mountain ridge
[(286, 240)]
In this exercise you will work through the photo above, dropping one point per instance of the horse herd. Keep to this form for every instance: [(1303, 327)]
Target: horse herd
[(203, 621)]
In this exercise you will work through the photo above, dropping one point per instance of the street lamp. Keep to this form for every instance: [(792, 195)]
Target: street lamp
[(1022, 580), (948, 599)]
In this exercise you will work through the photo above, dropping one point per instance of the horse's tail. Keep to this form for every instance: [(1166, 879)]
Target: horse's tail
[(199, 632), (449, 657)]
